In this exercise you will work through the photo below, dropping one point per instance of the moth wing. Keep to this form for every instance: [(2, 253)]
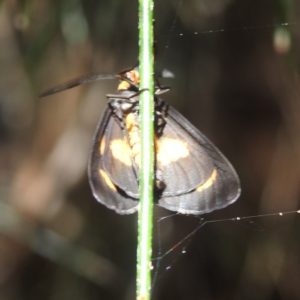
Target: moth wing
[(112, 180), (208, 180), (183, 162)]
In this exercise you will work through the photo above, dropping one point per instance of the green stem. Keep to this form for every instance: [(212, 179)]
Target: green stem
[(147, 150)]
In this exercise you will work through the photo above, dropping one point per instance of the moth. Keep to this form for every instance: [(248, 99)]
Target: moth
[(191, 175)]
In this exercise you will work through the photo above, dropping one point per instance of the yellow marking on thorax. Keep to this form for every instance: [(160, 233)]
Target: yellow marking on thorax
[(170, 150), (134, 76), (107, 180), (208, 182), (133, 130), (124, 85)]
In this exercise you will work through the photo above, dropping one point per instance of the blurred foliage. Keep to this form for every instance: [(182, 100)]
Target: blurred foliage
[(236, 78)]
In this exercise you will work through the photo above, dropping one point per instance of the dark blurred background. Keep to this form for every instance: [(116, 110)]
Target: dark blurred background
[(236, 78)]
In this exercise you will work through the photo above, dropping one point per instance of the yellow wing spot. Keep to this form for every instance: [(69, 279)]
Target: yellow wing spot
[(121, 151), (102, 145), (171, 150), (107, 180), (208, 182)]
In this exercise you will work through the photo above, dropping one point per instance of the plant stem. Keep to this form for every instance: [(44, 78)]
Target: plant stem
[(147, 150)]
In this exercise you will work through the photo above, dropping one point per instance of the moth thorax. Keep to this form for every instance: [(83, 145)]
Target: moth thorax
[(126, 106), (133, 129)]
